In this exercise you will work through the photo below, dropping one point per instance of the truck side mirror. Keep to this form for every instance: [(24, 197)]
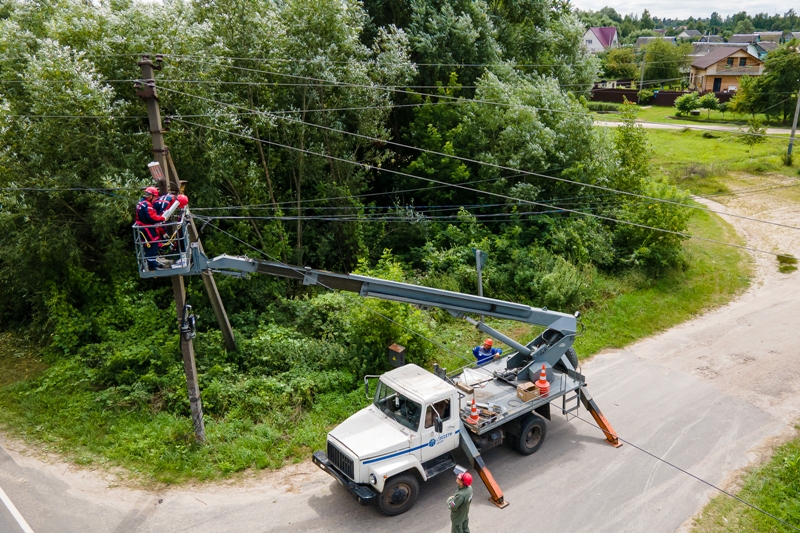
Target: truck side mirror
[(438, 425)]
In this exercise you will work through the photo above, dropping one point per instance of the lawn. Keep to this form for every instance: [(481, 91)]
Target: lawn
[(701, 161), (666, 115)]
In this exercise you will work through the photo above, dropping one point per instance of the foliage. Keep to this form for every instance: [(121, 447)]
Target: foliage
[(710, 102), (645, 96), (755, 132), (620, 63), (687, 103), (308, 161), (665, 61)]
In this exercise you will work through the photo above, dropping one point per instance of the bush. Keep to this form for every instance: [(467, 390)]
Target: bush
[(645, 96), (602, 106), (687, 103)]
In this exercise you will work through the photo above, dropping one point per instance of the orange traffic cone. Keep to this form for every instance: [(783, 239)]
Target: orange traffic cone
[(542, 384), (473, 418)]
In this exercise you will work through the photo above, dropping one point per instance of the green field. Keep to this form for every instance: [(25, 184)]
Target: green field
[(667, 115)]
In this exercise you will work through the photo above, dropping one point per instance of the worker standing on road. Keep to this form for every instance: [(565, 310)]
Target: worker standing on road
[(459, 503), (485, 352)]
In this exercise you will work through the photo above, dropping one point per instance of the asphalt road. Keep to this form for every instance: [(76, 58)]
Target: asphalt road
[(691, 126), (709, 396)]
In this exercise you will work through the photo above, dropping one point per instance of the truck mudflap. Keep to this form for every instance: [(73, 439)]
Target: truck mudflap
[(363, 493)]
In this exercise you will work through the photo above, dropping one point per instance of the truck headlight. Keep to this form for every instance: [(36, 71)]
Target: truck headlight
[(373, 479)]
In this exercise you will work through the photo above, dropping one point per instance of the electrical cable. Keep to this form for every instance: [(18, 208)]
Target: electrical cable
[(360, 304), (367, 166), (503, 167), (684, 471)]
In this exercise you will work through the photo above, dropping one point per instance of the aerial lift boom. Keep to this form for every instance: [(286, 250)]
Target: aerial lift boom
[(552, 348)]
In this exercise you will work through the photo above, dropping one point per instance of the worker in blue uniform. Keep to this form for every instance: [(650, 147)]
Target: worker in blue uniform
[(485, 353)]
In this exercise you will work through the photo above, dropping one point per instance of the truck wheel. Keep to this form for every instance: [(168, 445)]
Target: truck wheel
[(532, 430), (399, 494), (573, 359)]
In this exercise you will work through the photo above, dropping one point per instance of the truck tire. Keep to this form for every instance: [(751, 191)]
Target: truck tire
[(532, 430), (573, 359), (399, 494)]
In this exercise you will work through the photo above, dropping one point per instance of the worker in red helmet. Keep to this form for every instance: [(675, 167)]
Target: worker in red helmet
[(459, 503), (485, 353), (148, 218)]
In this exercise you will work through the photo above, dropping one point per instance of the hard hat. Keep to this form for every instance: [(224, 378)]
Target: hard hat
[(465, 478), (488, 341), (183, 200), (151, 190)]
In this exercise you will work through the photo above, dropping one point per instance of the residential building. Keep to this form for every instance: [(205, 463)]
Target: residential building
[(689, 34), (722, 68), (600, 39), (744, 38), (644, 41), (711, 39), (765, 47)]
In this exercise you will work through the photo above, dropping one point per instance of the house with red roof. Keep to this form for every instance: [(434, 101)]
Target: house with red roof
[(600, 39)]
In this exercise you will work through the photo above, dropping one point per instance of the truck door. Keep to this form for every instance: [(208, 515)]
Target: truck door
[(438, 443)]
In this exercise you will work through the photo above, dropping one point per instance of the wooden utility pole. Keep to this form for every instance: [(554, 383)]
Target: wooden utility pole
[(794, 129), (146, 89)]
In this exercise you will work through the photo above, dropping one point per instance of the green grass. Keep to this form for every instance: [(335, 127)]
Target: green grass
[(701, 165), (667, 115), (715, 275), (773, 487)]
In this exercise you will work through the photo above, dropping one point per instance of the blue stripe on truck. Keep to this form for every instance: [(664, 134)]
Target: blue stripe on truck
[(402, 452)]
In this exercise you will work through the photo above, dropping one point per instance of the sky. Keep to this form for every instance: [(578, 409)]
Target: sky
[(683, 9)]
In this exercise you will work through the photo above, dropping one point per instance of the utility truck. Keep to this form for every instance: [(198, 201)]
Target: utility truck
[(418, 418)]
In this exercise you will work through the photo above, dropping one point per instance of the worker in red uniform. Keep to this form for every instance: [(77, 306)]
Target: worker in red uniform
[(147, 217), (459, 504)]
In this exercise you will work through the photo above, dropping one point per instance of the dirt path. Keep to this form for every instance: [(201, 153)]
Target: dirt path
[(711, 395)]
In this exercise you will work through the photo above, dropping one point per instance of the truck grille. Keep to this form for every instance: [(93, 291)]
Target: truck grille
[(340, 460)]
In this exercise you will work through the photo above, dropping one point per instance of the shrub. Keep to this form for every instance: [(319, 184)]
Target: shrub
[(645, 96), (602, 106), (687, 103)]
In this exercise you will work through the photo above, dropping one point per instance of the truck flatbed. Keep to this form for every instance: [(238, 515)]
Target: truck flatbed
[(495, 388)]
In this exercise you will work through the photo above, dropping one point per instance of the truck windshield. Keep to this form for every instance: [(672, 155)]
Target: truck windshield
[(407, 412)]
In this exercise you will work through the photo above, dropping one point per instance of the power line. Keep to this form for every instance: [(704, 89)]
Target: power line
[(360, 304), (684, 471), (501, 167), (367, 166)]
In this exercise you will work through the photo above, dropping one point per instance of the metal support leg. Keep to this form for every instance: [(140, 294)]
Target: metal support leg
[(495, 493), (588, 402)]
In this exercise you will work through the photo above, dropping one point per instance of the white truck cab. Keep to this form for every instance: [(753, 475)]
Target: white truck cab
[(405, 436)]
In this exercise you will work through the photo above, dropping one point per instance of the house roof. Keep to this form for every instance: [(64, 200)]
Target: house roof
[(712, 39), (692, 33), (644, 41), (701, 49), (605, 35), (772, 36), (767, 46), (661, 31), (743, 38), (716, 55)]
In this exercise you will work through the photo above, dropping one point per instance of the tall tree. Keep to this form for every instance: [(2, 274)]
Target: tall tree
[(665, 62)]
